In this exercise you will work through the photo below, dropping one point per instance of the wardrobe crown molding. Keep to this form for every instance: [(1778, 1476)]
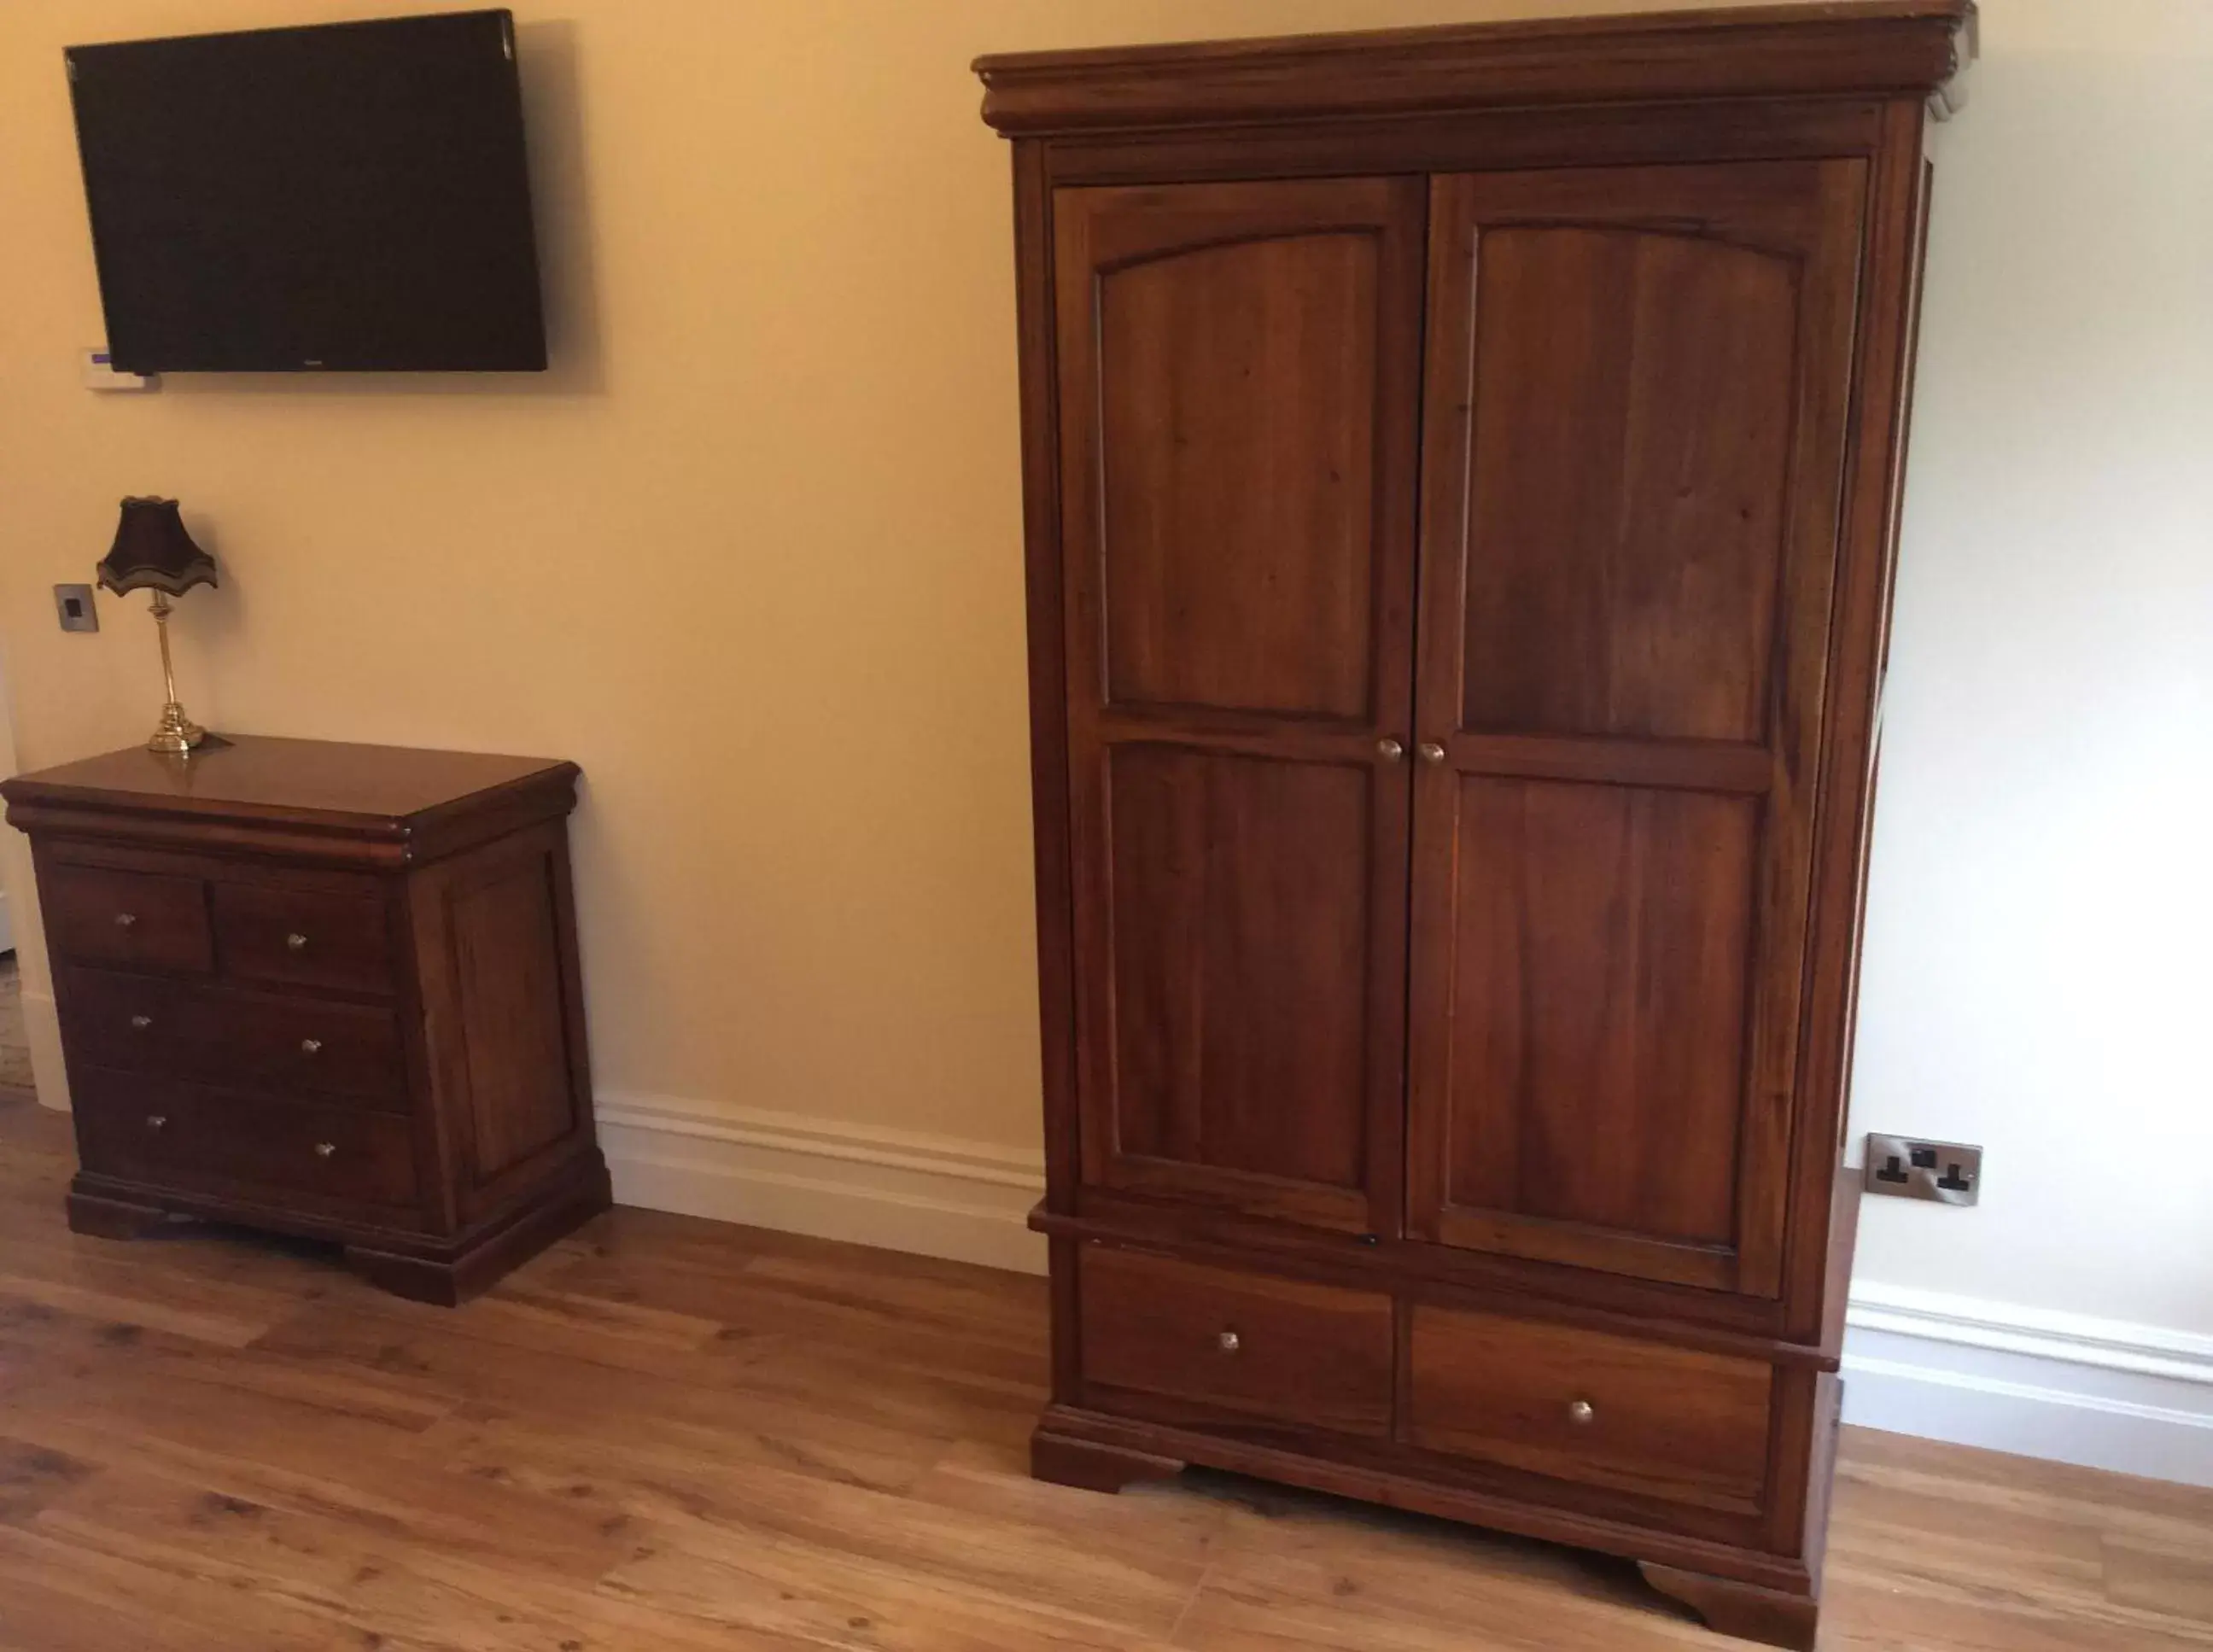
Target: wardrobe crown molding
[(1853, 47)]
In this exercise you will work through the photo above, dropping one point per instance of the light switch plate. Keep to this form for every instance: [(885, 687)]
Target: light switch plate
[(1904, 1166), (73, 603)]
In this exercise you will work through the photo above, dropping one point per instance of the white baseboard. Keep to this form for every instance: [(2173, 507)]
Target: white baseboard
[(930, 1195), (42, 1030), (2135, 1399)]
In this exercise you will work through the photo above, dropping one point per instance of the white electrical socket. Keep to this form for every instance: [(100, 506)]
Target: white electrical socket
[(99, 373)]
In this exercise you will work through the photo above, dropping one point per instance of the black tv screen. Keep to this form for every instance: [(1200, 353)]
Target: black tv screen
[(351, 196)]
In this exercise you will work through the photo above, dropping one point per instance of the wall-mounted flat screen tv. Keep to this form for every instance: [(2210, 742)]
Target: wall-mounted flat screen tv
[(350, 196)]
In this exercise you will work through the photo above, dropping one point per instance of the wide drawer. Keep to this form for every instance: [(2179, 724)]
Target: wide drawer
[(227, 1036), (168, 1134), (1591, 1407), (135, 920), (1207, 1340), (295, 937)]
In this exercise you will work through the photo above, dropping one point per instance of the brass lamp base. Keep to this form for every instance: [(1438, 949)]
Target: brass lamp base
[(178, 734)]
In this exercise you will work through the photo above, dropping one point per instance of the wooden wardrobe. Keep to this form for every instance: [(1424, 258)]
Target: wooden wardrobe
[(1462, 472)]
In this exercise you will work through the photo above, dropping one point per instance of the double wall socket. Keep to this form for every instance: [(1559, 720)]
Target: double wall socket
[(1951, 1172)]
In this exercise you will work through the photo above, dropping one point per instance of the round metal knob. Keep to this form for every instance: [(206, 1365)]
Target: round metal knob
[(1229, 1342), (324, 1150), (308, 1046), (1431, 751), (124, 920), (295, 941), (1580, 1411), (154, 1120), (140, 1023), (1391, 749)]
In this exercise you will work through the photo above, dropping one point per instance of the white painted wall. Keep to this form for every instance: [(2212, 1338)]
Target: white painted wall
[(2039, 965)]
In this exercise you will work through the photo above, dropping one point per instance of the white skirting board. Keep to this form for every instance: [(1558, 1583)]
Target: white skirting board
[(930, 1195), (2136, 1398), (42, 1029)]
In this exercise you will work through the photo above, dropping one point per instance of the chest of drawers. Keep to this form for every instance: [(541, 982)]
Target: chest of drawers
[(326, 990)]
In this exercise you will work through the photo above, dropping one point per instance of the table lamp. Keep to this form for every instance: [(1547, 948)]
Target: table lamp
[(152, 551)]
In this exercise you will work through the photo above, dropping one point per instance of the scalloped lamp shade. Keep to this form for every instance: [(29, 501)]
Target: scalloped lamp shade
[(152, 551)]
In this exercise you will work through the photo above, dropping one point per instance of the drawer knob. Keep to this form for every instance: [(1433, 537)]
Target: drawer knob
[(295, 941), (124, 920), (308, 1046), (1229, 1341), (157, 1120), (1431, 751), (1391, 750), (140, 1023), (1582, 1412), (325, 1149)]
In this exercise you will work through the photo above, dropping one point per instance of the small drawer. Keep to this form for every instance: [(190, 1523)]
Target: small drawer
[(1592, 1406), (225, 1036), (299, 938), (137, 920), (167, 1134), (1214, 1340)]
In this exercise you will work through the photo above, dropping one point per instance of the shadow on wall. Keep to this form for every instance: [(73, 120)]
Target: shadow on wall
[(553, 124)]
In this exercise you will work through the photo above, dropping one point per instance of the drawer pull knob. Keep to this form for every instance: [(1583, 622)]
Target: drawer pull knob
[(1229, 1342), (308, 1046), (325, 1149), (1582, 1412), (124, 920), (295, 941), (157, 1120), (1432, 753), (140, 1023), (1391, 749)]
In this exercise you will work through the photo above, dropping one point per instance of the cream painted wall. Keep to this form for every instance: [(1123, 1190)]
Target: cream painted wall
[(751, 555)]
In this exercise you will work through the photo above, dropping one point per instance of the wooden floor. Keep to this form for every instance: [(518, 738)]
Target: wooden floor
[(673, 1434)]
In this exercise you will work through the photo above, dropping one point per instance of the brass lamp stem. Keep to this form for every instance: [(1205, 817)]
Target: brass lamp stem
[(161, 606), (176, 733)]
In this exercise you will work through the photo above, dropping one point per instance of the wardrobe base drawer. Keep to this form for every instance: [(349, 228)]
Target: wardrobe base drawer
[(1590, 1407), (166, 1134), (1195, 1343)]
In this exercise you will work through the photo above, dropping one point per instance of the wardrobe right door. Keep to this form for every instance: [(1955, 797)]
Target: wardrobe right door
[(1636, 406)]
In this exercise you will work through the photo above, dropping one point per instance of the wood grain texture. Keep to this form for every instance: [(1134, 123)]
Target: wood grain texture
[(1234, 1343), (339, 942), (1240, 922), (1237, 431), (225, 1443), (1597, 1018), (1238, 377), (1585, 1405), (1656, 389), (325, 1020), (1629, 545), (308, 801), (131, 920), (232, 1035), (165, 1135), (1909, 47)]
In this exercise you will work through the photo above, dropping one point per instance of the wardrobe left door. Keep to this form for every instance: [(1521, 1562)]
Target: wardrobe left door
[(1239, 371)]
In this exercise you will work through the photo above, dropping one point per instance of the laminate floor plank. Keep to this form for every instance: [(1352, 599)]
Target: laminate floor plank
[(672, 1434)]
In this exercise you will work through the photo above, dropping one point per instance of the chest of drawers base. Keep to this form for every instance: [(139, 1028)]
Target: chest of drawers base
[(327, 990)]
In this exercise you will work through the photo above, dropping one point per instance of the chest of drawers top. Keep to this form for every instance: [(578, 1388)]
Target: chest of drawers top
[(306, 801)]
